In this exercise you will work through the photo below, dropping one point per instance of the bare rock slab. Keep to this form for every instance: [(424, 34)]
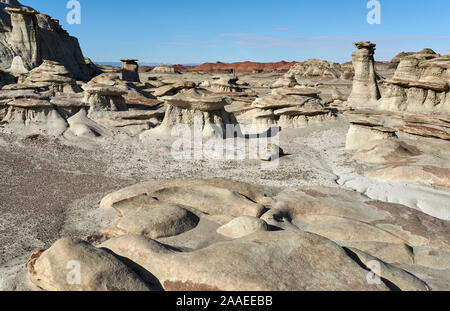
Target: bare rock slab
[(71, 265)]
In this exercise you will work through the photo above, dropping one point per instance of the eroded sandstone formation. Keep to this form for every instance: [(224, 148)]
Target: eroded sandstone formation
[(198, 108), (405, 149), (51, 76), (315, 68), (288, 80), (165, 69), (48, 100), (172, 89), (104, 98), (218, 234), (130, 70), (365, 91), (420, 84), (404, 135), (288, 108), (225, 84), (400, 56), (34, 37)]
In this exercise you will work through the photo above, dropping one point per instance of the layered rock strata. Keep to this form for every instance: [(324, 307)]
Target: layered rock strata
[(288, 108), (365, 92), (27, 38), (203, 110)]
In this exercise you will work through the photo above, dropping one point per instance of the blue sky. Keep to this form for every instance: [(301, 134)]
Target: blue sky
[(197, 31)]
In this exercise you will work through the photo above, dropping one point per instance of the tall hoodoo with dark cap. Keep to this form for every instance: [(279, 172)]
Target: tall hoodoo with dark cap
[(365, 92)]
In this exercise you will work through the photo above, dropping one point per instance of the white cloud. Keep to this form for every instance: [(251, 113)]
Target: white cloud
[(286, 29), (178, 43), (331, 42)]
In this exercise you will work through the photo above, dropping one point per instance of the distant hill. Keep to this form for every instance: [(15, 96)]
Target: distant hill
[(218, 67), (244, 67)]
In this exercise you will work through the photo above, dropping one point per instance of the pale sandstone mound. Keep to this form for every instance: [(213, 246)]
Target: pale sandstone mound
[(51, 76), (28, 111), (362, 219), (339, 100), (365, 92), (242, 226), (137, 95), (165, 69), (134, 121), (402, 55), (420, 84), (107, 92), (99, 270), (252, 263), (408, 150), (158, 222), (338, 95), (80, 125), (104, 98), (197, 109), (172, 89), (288, 80), (68, 104), (315, 68), (347, 216), (255, 193), (362, 134), (159, 209), (35, 37), (145, 215), (288, 108), (211, 200), (325, 239), (214, 197), (17, 66), (389, 232), (226, 84), (428, 175)]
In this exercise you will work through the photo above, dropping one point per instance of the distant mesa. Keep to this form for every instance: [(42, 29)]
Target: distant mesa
[(243, 67)]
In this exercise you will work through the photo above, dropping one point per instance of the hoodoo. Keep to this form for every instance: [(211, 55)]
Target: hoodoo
[(365, 92), (130, 70)]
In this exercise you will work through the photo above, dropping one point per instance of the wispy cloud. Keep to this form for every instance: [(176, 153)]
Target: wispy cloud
[(285, 29), (216, 40), (325, 42), (177, 43), (183, 36)]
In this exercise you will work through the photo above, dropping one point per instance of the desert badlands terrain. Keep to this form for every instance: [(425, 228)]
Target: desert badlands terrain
[(237, 177)]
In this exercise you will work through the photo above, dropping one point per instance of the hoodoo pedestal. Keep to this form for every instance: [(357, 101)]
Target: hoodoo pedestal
[(195, 109), (365, 92), (130, 70)]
